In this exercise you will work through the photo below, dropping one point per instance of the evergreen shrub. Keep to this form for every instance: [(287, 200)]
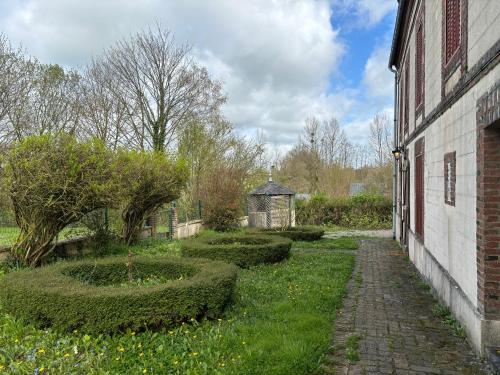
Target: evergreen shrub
[(244, 250), (95, 296)]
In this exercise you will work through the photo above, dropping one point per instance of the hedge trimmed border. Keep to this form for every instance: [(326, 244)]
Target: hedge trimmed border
[(49, 297), (244, 250), (301, 233)]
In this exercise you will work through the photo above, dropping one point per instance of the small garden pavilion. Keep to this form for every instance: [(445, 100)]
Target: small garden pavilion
[(271, 206)]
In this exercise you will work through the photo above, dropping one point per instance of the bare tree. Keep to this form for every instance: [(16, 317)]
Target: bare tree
[(160, 85), (15, 84), (380, 138), (103, 115), (332, 138), (44, 99)]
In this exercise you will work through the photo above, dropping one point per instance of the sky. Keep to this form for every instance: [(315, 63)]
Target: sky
[(280, 61)]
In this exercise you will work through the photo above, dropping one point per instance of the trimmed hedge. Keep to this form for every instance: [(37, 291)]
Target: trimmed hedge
[(244, 250), (359, 211), (301, 233), (88, 295)]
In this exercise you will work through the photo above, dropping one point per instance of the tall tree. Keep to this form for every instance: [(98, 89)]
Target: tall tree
[(380, 138), (160, 85)]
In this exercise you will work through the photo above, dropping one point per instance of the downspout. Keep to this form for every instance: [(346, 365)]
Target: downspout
[(395, 165)]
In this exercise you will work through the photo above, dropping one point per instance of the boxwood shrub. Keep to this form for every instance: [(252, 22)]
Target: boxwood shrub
[(94, 296), (300, 233), (244, 250)]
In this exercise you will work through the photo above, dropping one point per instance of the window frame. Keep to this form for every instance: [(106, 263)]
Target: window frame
[(419, 186), (450, 178)]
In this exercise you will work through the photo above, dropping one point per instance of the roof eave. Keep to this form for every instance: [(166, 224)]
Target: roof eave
[(398, 31)]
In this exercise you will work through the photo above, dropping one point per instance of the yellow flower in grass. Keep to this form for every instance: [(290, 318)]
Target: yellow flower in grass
[(194, 354), (141, 354), (144, 371), (16, 341), (2, 367), (121, 349), (66, 355), (41, 350)]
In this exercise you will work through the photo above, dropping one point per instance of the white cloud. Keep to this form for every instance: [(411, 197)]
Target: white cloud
[(378, 79), (274, 57)]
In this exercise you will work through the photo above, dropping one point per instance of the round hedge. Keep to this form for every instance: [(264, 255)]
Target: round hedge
[(90, 295), (301, 233), (244, 250)]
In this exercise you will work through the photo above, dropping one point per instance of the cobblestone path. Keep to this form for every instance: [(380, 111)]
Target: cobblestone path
[(389, 310)]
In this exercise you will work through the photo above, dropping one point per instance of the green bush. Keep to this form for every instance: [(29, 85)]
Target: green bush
[(360, 211), (96, 296), (300, 233), (244, 250), (54, 181), (151, 179)]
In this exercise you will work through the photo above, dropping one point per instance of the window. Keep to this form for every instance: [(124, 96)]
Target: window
[(419, 67), (407, 93), (452, 28), (450, 163), (419, 188)]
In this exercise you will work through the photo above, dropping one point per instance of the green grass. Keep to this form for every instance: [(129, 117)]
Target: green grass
[(351, 351), (8, 235), (346, 243), (442, 312), (280, 323)]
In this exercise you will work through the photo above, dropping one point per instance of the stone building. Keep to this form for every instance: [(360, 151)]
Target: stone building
[(445, 56)]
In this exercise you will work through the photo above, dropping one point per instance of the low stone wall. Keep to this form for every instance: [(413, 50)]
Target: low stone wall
[(188, 229), (193, 227), (4, 253), (64, 249)]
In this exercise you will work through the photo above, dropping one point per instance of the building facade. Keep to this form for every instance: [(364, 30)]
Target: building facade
[(445, 56)]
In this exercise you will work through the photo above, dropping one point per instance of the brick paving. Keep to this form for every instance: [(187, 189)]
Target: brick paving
[(390, 311)]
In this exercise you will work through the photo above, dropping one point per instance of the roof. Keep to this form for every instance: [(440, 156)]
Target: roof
[(272, 188), (398, 31)]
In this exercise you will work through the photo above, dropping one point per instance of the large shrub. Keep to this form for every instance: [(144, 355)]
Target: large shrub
[(300, 233), (97, 297), (360, 211), (151, 180), (54, 181), (244, 250), (223, 195)]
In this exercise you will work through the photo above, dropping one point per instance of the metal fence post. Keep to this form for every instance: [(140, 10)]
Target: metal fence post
[(106, 219), (170, 223)]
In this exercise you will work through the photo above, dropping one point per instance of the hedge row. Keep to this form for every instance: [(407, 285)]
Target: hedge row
[(360, 211), (87, 295), (244, 250), (300, 233)]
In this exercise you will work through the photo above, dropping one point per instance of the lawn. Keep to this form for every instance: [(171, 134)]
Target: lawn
[(280, 323), (8, 235), (344, 243)]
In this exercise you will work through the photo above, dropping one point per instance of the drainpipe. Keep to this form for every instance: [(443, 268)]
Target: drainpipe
[(395, 165)]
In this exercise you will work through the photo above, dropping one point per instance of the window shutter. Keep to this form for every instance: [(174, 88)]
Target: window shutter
[(419, 66), (452, 24), (407, 93), (419, 188)]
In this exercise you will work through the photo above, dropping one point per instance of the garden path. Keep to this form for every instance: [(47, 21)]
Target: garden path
[(390, 311)]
